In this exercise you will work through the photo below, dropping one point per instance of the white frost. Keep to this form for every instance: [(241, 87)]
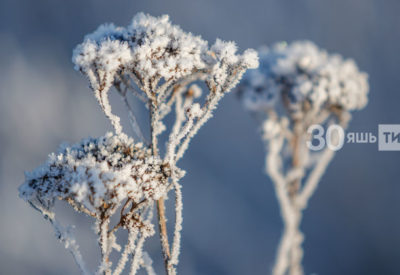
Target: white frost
[(306, 77)]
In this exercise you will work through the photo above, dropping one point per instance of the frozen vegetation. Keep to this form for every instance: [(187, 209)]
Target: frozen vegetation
[(297, 86), (115, 175), (177, 74)]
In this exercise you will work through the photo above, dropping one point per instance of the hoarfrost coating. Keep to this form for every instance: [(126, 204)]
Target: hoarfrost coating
[(152, 50), (307, 78), (98, 172)]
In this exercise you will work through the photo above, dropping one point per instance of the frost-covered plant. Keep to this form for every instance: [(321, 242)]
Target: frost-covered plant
[(97, 177), (113, 175), (296, 86)]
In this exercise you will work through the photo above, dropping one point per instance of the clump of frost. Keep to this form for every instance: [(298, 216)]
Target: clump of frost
[(305, 79), (151, 50), (97, 173)]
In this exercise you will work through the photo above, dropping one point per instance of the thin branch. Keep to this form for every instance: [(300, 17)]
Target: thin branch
[(273, 168), (64, 236), (207, 110), (147, 263), (314, 178), (138, 254), (176, 244), (162, 221), (105, 266), (80, 208), (128, 249)]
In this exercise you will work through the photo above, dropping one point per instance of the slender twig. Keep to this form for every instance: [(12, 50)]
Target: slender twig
[(80, 208), (162, 221)]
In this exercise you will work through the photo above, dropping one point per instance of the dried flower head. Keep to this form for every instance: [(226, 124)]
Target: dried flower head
[(97, 174), (306, 79), (152, 51)]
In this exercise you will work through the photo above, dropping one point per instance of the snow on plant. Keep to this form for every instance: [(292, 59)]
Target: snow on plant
[(113, 175), (296, 86)]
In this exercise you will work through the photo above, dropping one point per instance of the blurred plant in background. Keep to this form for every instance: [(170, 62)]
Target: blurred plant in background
[(116, 176), (297, 86)]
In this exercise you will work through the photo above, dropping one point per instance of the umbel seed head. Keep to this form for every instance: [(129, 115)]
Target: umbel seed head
[(154, 53), (305, 80), (98, 173)]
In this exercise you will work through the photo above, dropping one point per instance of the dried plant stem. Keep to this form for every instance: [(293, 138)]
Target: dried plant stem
[(273, 168), (290, 253), (162, 220), (162, 223), (294, 185), (104, 245), (176, 244), (296, 251), (66, 238), (293, 193), (313, 179), (129, 248)]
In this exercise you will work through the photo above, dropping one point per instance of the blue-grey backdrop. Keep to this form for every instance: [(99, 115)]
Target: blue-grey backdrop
[(231, 219)]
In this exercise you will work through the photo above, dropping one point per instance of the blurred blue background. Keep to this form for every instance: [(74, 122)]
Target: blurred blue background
[(231, 218)]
